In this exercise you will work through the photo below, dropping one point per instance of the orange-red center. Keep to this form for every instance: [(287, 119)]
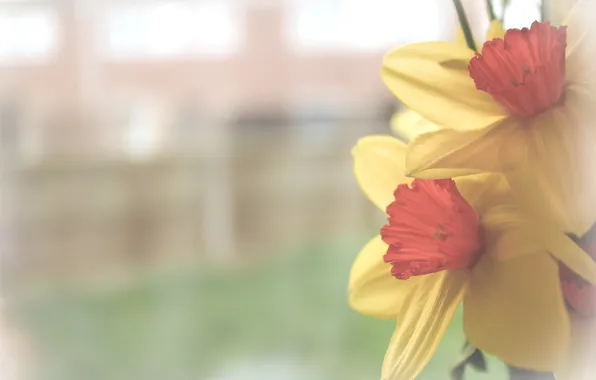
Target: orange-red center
[(525, 70), (431, 228)]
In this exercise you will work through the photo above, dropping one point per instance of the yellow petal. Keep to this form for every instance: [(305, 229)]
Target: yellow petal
[(509, 233), (580, 363), (514, 310), (407, 124), (482, 191), (379, 167), (373, 290), (432, 79), (558, 180), (422, 324), (497, 148), (495, 30), (510, 230)]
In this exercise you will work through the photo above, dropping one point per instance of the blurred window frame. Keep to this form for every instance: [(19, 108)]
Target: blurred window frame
[(191, 26), (30, 32), (313, 26)]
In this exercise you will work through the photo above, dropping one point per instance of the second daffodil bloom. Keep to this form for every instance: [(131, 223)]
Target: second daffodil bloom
[(524, 105), (407, 124), (450, 241)]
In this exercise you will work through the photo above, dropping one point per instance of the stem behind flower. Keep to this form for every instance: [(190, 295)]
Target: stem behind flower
[(521, 374), (490, 10), (465, 26)]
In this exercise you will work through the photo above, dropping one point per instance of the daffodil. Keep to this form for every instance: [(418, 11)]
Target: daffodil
[(453, 241), (524, 106), (407, 124)]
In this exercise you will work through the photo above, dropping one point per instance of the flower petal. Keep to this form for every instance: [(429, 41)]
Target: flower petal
[(408, 124), (423, 323), (495, 30), (379, 166), (432, 79), (581, 50), (509, 233), (497, 148), (515, 310), (558, 181), (482, 191), (509, 230), (373, 290)]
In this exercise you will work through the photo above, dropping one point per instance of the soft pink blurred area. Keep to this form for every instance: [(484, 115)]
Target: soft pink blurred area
[(141, 132), (164, 153)]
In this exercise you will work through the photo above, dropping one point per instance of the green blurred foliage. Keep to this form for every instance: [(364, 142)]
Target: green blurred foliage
[(193, 323)]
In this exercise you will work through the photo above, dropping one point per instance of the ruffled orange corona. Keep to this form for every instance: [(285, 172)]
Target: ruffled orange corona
[(525, 70), (431, 228)]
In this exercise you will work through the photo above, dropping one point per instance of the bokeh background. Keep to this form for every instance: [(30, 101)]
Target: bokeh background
[(177, 200)]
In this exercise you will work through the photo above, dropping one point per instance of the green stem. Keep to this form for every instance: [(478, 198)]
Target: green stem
[(491, 10), (504, 6), (465, 26), (520, 374)]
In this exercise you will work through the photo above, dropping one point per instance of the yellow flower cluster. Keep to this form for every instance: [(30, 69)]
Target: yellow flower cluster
[(527, 170)]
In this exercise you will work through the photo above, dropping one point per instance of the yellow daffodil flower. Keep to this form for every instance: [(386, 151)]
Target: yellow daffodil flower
[(453, 241), (407, 124), (524, 106)]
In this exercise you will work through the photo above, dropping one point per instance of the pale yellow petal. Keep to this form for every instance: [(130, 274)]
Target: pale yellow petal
[(407, 124), (580, 101), (580, 363), (508, 233), (373, 290), (508, 230), (379, 166), (444, 173), (432, 79), (557, 185), (581, 50), (514, 310), (495, 30), (483, 191), (498, 148), (422, 324), (559, 180)]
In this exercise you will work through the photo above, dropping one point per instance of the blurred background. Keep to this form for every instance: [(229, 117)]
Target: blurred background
[(177, 199)]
